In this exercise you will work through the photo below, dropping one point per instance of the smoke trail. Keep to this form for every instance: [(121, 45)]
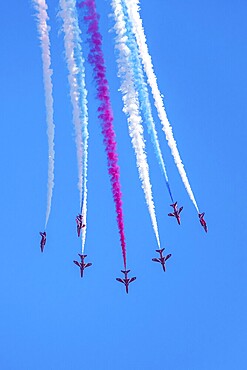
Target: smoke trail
[(133, 11), (96, 59), (131, 109), (68, 18), (43, 30), (78, 94), (142, 90)]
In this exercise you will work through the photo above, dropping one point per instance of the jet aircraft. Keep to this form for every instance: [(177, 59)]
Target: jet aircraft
[(202, 221), (176, 212), (43, 241), (126, 281), (79, 224), (162, 259), (82, 264)]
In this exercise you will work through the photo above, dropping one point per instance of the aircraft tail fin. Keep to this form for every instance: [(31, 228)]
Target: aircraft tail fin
[(125, 271), (174, 204), (159, 250)]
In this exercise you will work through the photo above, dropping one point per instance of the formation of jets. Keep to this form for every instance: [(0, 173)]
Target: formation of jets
[(176, 213), (126, 280)]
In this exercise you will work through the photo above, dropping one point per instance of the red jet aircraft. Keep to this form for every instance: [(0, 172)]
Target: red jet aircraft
[(202, 221), (161, 259), (126, 281), (79, 224), (43, 241), (176, 211), (81, 264)]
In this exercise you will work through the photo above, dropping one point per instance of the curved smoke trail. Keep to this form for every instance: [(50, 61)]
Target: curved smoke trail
[(96, 59), (133, 11), (43, 30), (78, 94), (131, 109), (142, 90)]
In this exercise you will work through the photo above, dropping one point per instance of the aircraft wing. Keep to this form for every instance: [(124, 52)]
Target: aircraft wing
[(132, 279), (155, 260), (168, 256), (180, 209), (171, 214), (77, 263), (120, 280), (88, 264)]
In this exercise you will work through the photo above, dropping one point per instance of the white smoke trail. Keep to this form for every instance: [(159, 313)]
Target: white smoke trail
[(78, 94), (43, 30), (131, 109), (84, 229), (133, 11), (143, 93), (67, 15)]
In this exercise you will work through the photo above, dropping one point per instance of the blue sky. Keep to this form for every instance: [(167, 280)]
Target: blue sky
[(193, 316)]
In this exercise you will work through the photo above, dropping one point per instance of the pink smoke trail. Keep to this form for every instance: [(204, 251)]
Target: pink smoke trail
[(96, 59)]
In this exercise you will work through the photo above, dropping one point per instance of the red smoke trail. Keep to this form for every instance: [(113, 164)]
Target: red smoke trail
[(96, 59)]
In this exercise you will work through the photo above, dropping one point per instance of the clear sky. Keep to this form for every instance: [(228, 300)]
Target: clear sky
[(193, 317)]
